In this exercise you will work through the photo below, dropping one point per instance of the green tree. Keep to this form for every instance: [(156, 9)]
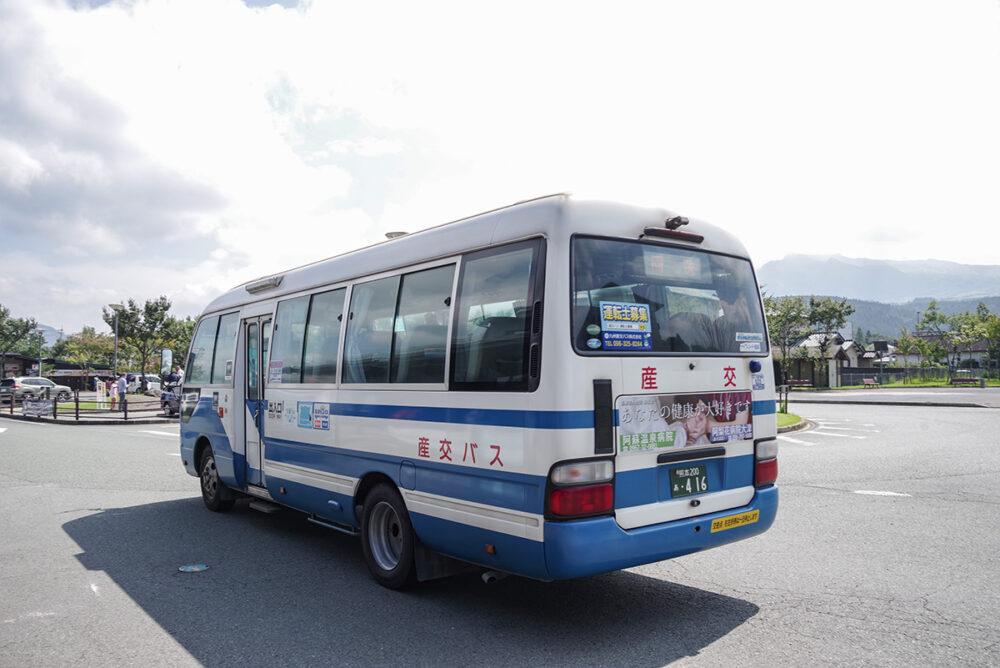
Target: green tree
[(967, 329), (144, 329), (787, 324), (826, 316), (931, 351), (991, 334), (85, 349), (938, 323), (907, 345), (14, 335), (178, 338)]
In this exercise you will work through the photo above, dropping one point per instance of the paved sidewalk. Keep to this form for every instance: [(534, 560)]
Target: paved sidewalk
[(964, 397)]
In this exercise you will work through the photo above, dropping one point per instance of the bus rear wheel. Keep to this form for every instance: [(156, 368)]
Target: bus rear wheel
[(387, 538), (214, 493)]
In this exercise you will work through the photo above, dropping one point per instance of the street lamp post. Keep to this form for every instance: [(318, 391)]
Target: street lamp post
[(116, 308), (40, 333)]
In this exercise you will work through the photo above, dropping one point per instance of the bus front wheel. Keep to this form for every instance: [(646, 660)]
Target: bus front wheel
[(214, 493), (387, 539)]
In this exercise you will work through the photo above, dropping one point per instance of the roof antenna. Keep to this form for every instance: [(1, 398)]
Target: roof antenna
[(675, 222)]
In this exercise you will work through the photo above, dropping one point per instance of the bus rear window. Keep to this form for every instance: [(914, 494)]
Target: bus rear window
[(638, 297)]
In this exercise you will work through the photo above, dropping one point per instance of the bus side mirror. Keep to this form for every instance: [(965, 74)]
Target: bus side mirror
[(166, 363)]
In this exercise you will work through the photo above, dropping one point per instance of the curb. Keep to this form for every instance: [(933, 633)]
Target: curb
[(798, 426)]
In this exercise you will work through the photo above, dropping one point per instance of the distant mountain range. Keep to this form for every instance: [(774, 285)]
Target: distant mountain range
[(888, 319), (887, 295), (886, 281)]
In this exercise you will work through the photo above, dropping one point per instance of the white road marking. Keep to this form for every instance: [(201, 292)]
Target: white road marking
[(159, 433), (820, 432), (3, 429), (94, 588), (878, 493), (794, 440), (841, 428), (30, 615), (173, 454)]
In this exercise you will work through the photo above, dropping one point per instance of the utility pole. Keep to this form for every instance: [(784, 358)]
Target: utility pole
[(116, 308)]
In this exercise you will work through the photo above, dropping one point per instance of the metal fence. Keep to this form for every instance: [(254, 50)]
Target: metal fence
[(90, 408), (856, 376)]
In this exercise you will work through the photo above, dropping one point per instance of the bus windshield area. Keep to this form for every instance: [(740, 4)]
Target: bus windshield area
[(641, 297)]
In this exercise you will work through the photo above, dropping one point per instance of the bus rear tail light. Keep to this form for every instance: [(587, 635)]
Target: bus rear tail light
[(581, 489), (766, 458), (580, 501)]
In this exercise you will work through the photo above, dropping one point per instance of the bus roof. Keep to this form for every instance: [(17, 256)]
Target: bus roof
[(551, 216)]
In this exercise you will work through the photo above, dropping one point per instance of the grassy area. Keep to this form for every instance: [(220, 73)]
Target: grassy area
[(786, 419), (68, 407), (145, 403)]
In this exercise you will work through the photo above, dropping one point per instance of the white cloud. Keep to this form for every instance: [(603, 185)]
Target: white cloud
[(18, 169)]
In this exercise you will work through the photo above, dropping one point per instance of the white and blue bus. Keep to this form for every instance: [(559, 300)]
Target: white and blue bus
[(553, 389)]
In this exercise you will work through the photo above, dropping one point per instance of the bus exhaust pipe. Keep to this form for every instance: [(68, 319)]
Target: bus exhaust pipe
[(489, 577)]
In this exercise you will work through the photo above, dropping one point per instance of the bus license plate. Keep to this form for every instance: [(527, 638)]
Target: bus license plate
[(688, 480)]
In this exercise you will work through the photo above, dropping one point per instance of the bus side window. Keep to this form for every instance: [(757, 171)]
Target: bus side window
[(490, 347), (369, 331), (225, 349), (323, 337), (289, 331), (421, 330), (199, 366)]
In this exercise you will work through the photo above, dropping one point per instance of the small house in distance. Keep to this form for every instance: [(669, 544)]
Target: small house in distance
[(819, 365)]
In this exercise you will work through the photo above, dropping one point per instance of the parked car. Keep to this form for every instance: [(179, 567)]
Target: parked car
[(29, 387), (170, 399), (134, 382)]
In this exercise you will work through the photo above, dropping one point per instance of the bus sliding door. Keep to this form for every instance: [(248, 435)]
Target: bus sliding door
[(258, 333)]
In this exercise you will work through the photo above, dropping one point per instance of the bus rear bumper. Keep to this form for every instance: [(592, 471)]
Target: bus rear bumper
[(587, 547)]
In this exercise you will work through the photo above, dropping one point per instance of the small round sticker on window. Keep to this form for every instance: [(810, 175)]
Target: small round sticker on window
[(593, 344), (593, 330)]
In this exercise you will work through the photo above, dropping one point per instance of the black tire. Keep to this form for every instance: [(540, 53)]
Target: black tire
[(387, 538), (217, 496), (63, 396)]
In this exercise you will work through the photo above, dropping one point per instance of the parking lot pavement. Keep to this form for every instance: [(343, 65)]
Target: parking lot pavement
[(977, 397)]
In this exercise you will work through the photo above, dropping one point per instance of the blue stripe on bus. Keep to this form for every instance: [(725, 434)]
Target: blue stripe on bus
[(493, 487), (477, 416), (764, 407), (490, 417), (571, 548), (512, 554)]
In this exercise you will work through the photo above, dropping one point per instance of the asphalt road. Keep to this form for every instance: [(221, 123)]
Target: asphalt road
[(884, 553)]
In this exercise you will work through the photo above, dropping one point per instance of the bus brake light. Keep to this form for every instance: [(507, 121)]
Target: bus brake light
[(577, 501), (767, 472)]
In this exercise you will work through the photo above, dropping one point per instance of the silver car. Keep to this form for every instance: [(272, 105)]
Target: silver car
[(29, 387)]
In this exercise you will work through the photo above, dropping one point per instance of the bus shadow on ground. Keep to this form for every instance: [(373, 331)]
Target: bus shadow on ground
[(277, 586)]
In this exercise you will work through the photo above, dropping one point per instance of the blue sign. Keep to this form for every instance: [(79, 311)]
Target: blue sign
[(305, 414)]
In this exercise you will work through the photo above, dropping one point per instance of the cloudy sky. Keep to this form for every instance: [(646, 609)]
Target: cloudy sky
[(181, 147)]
